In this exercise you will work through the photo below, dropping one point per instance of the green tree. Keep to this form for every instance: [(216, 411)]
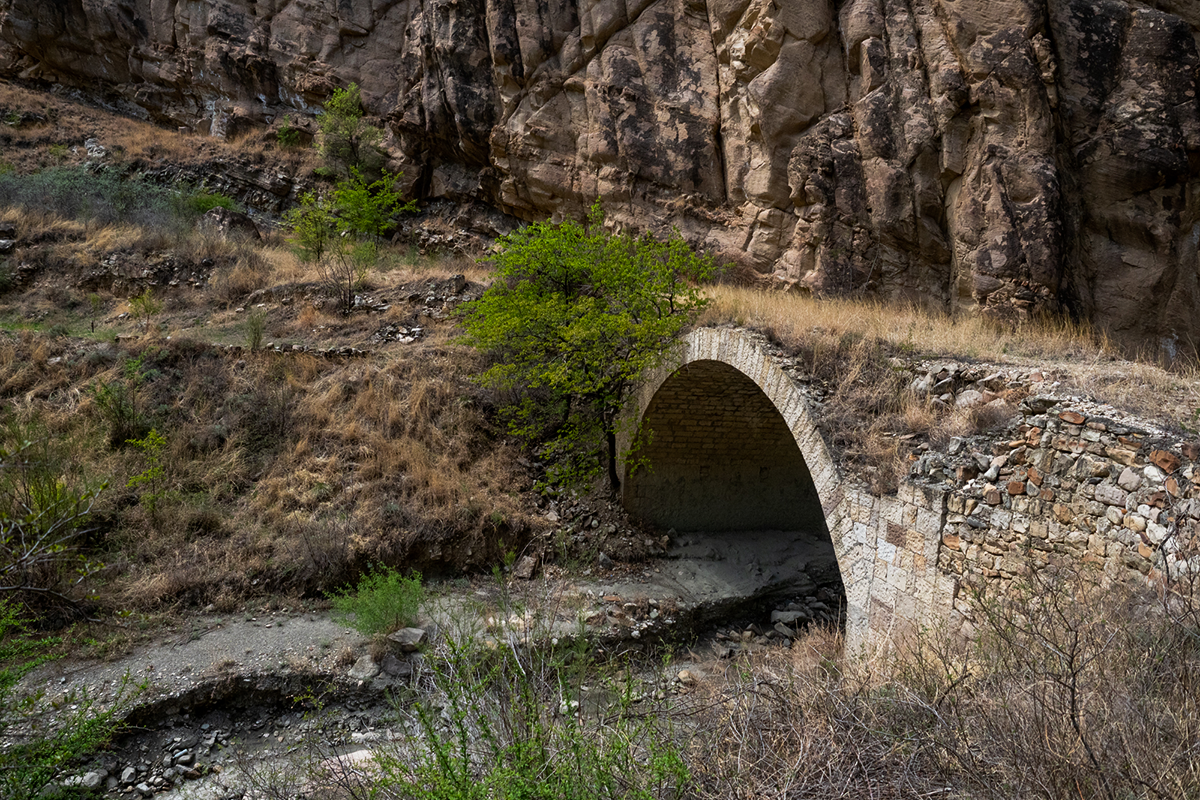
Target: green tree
[(345, 139), (339, 231), (575, 317)]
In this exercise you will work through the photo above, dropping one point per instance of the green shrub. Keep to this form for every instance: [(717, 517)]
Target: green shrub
[(117, 402), (383, 602), (73, 192), (201, 202), (533, 720), (345, 139), (45, 508), (575, 317), (288, 135), (30, 760), (339, 231), (104, 197), (153, 478), (145, 307)]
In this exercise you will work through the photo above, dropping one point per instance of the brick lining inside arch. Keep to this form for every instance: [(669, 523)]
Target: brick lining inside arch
[(721, 457)]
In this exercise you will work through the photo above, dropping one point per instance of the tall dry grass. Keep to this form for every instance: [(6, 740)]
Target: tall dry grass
[(863, 355), (1069, 690), (796, 318)]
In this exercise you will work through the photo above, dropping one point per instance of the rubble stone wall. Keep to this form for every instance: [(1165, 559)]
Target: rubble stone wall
[(1068, 485)]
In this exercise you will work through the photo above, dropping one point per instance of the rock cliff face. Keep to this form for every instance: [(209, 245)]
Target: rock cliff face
[(1010, 156)]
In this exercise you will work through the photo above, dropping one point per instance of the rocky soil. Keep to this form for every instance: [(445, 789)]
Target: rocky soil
[(1010, 156), (235, 695)]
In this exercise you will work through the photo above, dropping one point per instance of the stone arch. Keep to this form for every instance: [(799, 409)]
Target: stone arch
[(735, 449), (731, 421), (721, 458)]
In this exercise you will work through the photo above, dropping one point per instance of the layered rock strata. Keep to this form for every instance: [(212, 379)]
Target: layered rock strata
[(1007, 156)]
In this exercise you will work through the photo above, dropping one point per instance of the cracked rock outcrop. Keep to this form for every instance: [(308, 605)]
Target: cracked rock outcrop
[(1004, 156)]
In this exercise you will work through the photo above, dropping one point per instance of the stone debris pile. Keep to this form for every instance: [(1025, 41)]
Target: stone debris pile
[(953, 385), (397, 333)]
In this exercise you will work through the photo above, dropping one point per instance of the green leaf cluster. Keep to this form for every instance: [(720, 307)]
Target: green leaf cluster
[(575, 317), (44, 518), (345, 139), (383, 601), (152, 480), (339, 231)]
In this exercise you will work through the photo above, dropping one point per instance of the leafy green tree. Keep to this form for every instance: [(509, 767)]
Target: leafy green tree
[(339, 231), (575, 317), (345, 139)]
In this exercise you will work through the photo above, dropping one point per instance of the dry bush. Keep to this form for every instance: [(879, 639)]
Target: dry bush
[(802, 724), (1081, 689), (1070, 689), (1170, 397), (406, 446), (233, 283)]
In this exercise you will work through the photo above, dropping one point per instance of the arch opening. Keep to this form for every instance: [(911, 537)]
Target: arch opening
[(719, 456), (720, 465)]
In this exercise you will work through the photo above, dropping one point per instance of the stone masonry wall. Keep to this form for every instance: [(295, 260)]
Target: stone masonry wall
[(1068, 484)]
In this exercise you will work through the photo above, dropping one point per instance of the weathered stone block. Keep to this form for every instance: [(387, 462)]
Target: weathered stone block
[(1111, 495)]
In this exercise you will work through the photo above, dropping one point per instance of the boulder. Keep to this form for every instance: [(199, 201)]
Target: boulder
[(231, 223), (409, 640), (364, 669)]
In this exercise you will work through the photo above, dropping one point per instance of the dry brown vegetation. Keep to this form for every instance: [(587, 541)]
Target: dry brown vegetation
[(1068, 691), (863, 355), (284, 473), (40, 129)]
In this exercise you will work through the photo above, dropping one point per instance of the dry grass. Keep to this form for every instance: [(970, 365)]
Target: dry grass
[(796, 318), (284, 473), (863, 355), (1070, 690)]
